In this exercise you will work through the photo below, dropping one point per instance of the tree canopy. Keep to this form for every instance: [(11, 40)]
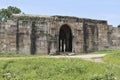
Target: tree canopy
[(119, 26), (6, 13)]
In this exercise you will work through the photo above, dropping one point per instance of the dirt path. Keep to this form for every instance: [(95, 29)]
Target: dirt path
[(90, 57)]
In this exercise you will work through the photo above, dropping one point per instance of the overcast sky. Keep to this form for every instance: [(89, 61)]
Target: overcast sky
[(96, 9)]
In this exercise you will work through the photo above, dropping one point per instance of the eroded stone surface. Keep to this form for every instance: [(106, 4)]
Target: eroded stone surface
[(56, 34)]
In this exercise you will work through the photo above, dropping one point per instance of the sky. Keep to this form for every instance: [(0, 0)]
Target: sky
[(94, 9)]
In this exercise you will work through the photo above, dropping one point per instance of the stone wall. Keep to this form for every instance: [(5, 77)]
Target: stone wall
[(8, 37), (114, 38), (103, 36), (34, 34)]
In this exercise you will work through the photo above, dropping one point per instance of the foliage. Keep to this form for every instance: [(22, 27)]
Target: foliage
[(14, 55), (49, 69), (105, 51), (11, 55), (106, 76), (6, 13), (113, 60), (37, 68), (119, 26)]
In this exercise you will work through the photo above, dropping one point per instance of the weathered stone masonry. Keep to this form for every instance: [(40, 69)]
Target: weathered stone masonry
[(56, 34)]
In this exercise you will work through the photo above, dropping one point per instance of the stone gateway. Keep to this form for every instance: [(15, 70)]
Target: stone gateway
[(35, 34)]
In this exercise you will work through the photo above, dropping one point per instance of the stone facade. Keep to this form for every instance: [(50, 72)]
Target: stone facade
[(36, 34)]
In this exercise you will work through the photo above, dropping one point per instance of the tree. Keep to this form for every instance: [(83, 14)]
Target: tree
[(119, 26), (6, 13)]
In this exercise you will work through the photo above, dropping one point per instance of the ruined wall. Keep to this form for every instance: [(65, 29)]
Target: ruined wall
[(76, 28), (90, 37), (40, 34), (103, 30), (33, 36), (114, 38), (8, 37), (23, 36)]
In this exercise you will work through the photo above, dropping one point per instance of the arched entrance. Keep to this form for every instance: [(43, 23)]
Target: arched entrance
[(65, 39)]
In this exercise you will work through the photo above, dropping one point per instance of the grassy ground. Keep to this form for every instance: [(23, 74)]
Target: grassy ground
[(50, 69), (60, 69), (106, 51), (113, 60), (20, 55)]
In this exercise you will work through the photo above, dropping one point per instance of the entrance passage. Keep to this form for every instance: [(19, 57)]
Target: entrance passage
[(65, 39)]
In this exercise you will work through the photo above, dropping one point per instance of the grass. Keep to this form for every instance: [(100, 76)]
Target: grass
[(20, 55), (113, 60), (60, 69), (50, 69), (113, 57), (105, 51)]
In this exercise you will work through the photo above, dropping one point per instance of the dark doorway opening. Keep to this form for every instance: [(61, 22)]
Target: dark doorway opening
[(65, 39)]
